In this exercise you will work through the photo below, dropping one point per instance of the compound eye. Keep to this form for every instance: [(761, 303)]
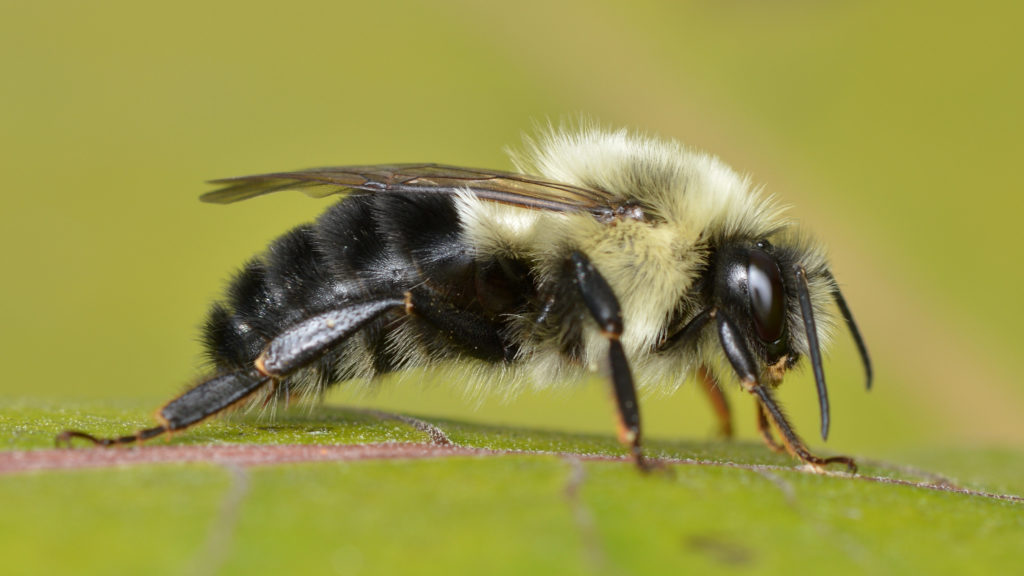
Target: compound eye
[(764, 280)]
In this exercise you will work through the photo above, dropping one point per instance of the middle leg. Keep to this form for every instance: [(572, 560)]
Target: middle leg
[(604, 308)]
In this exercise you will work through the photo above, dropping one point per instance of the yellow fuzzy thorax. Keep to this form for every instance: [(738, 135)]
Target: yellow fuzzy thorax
[(688, 198)]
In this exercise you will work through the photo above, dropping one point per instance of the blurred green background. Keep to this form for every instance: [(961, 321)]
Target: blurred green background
[(894, 131)]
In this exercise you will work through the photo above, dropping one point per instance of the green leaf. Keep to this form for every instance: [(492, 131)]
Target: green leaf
[(721, 508)]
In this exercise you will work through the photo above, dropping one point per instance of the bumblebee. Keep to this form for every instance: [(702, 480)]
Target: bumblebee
[(606, 251)]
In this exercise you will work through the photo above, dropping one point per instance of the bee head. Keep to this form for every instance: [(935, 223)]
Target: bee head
[(761, 298)]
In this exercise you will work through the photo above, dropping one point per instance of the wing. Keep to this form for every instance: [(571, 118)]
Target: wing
[(494, 185)]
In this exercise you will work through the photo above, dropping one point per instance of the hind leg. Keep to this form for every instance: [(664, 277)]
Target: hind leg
[(296, 347)]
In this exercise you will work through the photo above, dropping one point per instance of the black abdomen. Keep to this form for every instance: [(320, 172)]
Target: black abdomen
[(366, 248)]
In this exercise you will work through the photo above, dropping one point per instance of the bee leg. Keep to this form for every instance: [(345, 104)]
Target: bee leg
[(688, 336), (604, 307), (203, 400), (294, 348), (718, 401), (302, 343), (742, 361), (469, 332), (765, 430), (793, 442), (64, 438)]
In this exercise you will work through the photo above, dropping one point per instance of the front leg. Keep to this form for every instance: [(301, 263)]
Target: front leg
[(604, 308), (743, 363)]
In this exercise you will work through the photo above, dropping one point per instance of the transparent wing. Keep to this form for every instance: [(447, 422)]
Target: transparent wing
[(497, 186)]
